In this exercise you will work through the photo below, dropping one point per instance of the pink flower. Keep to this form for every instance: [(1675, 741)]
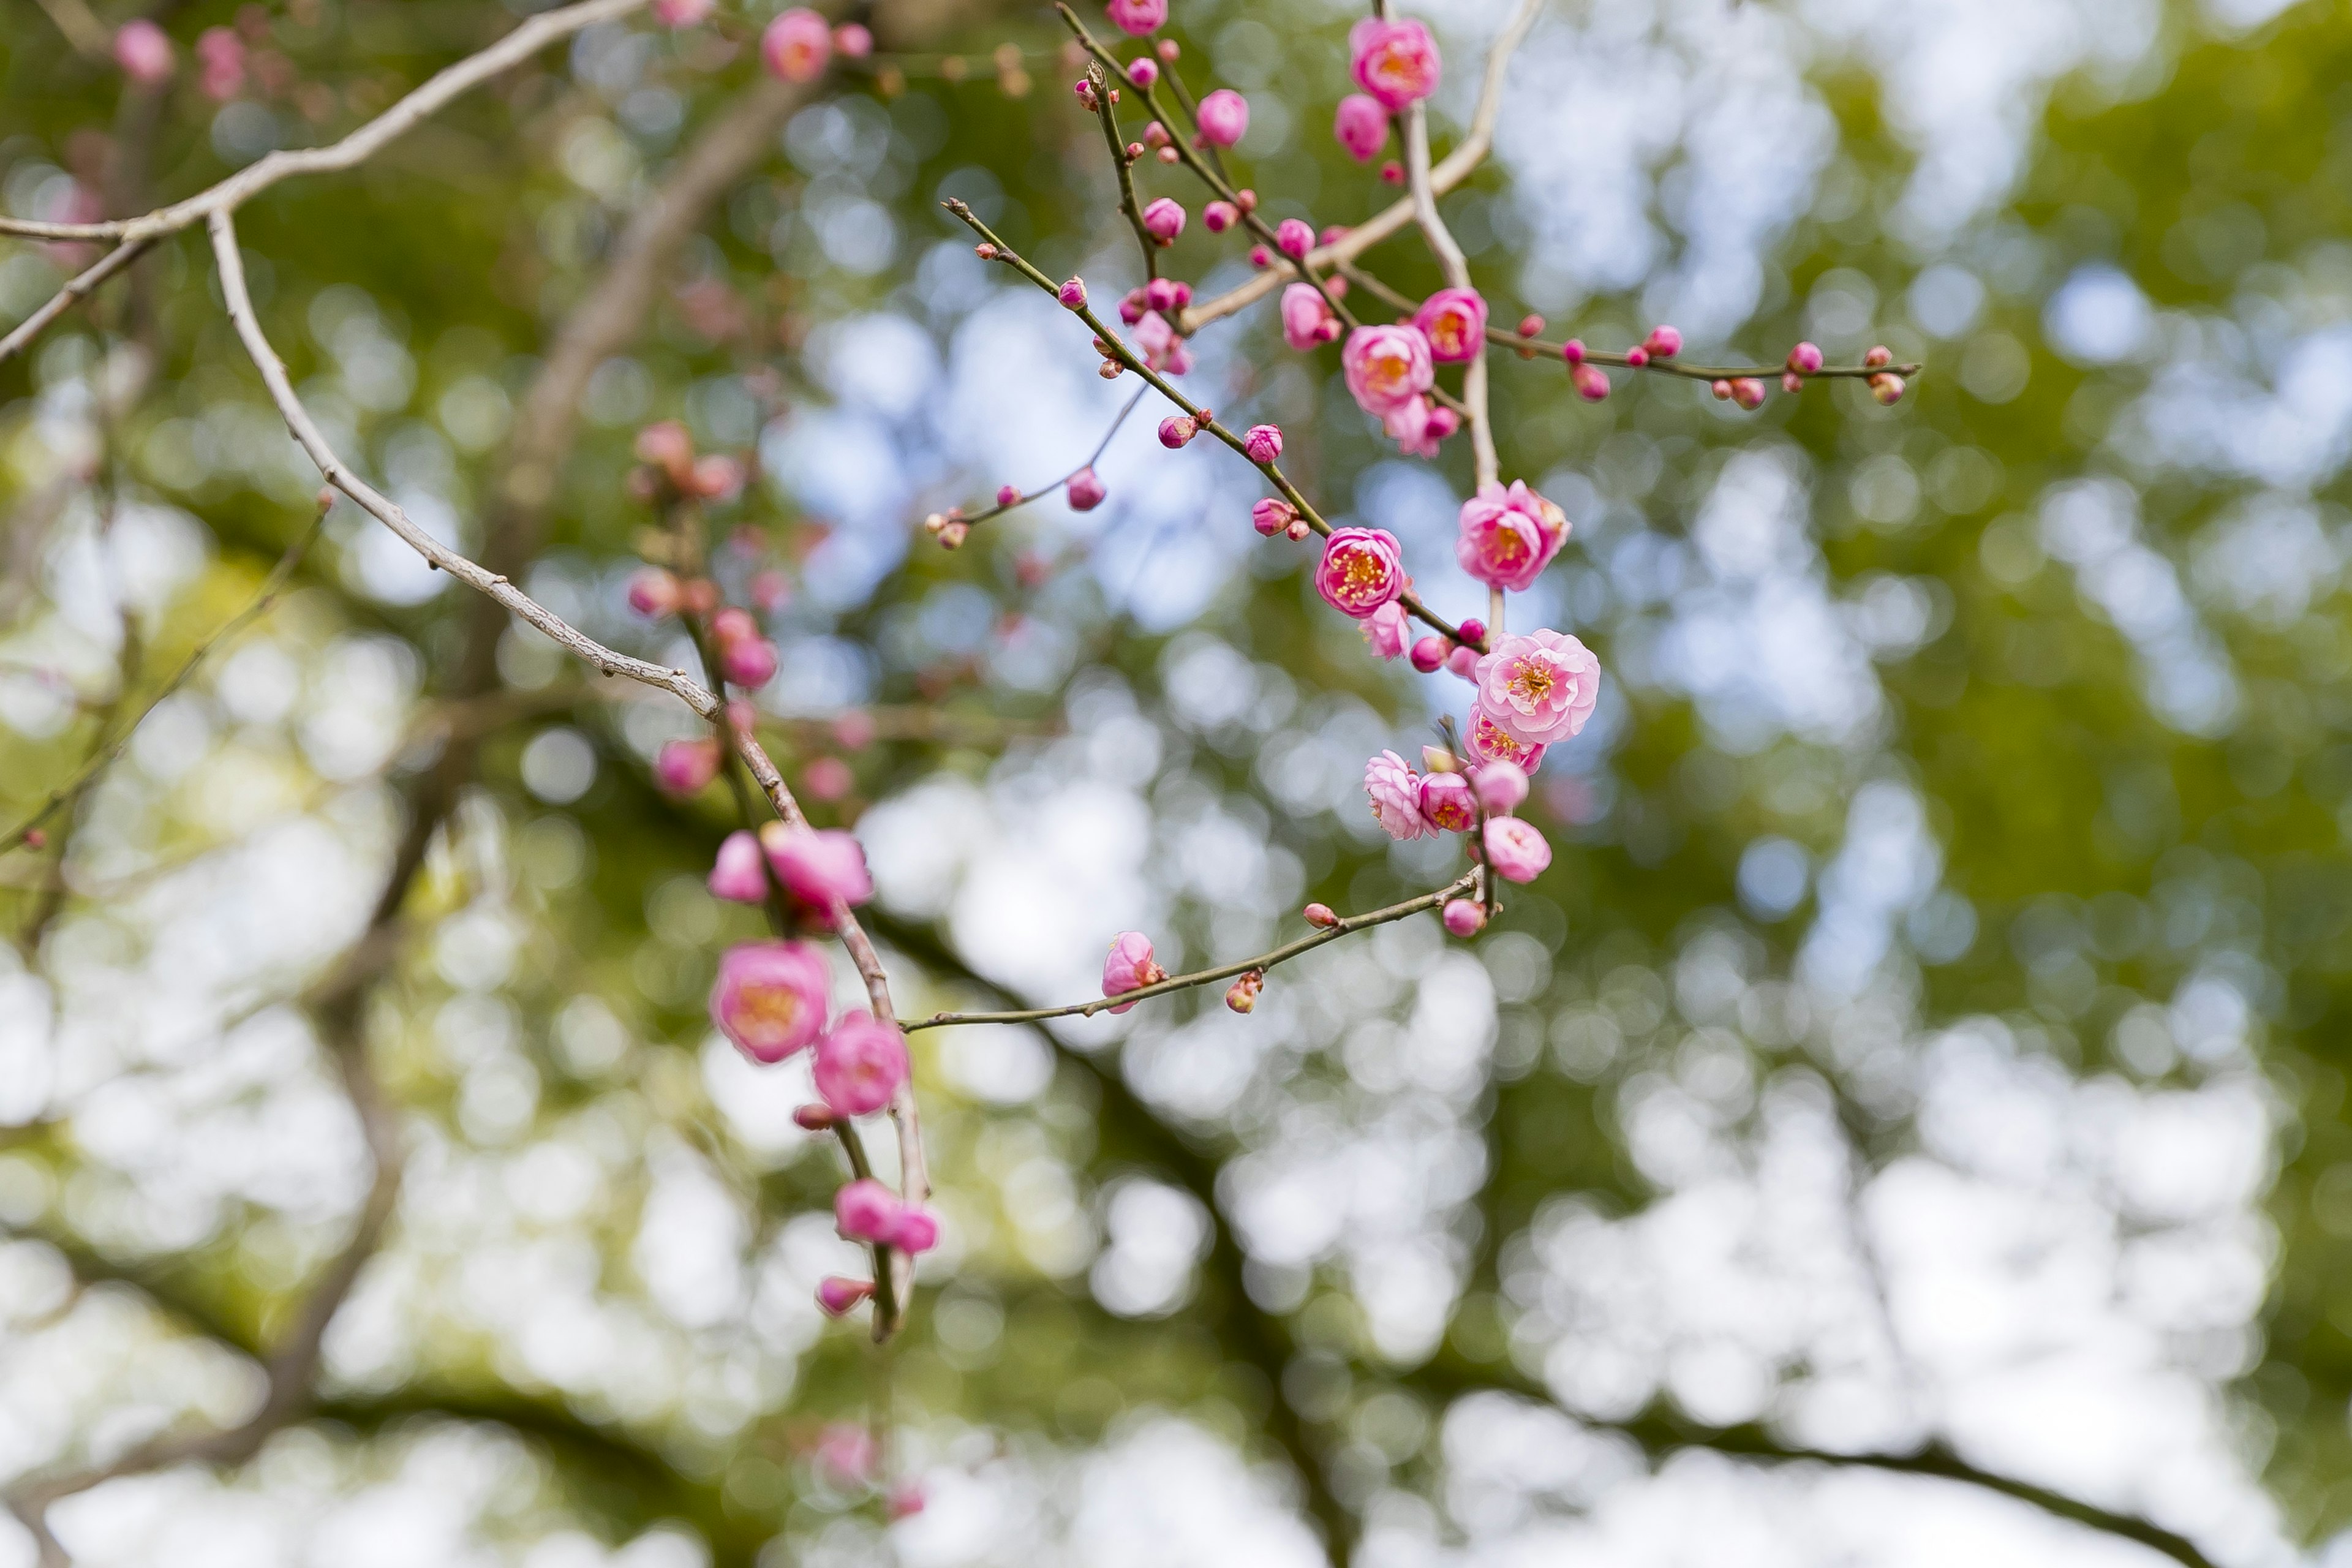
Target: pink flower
[(866, 1210), (1455, 322), (1294, 237), (1072, 294), (1143, 71), (1307, 318), (848, 1453), (1262, 443), (1417, 427), (1541, 688), (1137, 16), (1501, 784), (837, 1295), (654, 593), (1804, 359), (1428, 654), (220, 63), (914, 1230), (1386, 366), (1272, 515), (1663, 342), (1447, 804), (143, 51), (1509, 536), (1518, 852), (1396, 62), (1361, 126), (1163, 349), (1131, 966), (1224, 117), (1464, 918), (771, 998), (737, 874), (828, 778), (1489, 744), (1164, 220), (1591, 383), (1463, 662), (1086, 490), (797, 45), (683, 767), (748, 661), (681, 13), (860, 1065), (817, 866), (853, 40), (1395, 792), (1177, 431), (1362, 569), (1385, 630), (1219, 216)]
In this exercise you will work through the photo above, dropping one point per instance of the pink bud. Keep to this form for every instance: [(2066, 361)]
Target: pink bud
[(1572, 351), (951, 537), (1182, 293), (1247, 199), (733, 624), (1501, 784), (860, 1065), (1131, 967), (1219, 216), (1086, 92), (905, 1497), (1531, 325), (1361, 126), (1591, 383), (1438, 760), (814, 1118), (749, 661), (143, 51), (1224, 118), (1155, 134), (1636, 357), (667, 446), (1160, 293), (654, 593), (1791, 382), (1164, 220), (1721, 389), (1272, 515), (816, 866), (1132, 306), (837, 1295), (1747, 392), (914, 1231), (738, 874), (1805, 359), (1465, 918), (1176, 430), (1393, 172), (1886, 388), (1518, 852), (1430, 653), (1072, 294), (1143, 71), (1261, 257), (866, 1210), (1294, 237), (1320, 916), (1263, 444), (681, 13), (1878, 355), (1663, 342), (796, 45), (1137, 17), (827, 778), (1463, 662), (683, 767), (1297, 530), (220, 63), (1086, 490), (1472, 629), (1167, 50), (1241, 995), (853, 41)]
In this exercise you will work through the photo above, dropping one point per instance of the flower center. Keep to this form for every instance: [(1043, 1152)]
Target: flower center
[(1531, 682), (1506, 548), (766, 1009), (1361, 573)]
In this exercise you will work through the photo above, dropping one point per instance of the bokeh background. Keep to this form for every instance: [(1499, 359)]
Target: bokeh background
[(1928, 1041)]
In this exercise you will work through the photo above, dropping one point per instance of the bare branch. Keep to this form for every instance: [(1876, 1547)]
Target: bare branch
[(76, 288)]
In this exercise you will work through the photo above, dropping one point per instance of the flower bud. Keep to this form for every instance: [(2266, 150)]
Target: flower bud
[(1008, 495), (1438, 760), (1072, 294), (1263, 444), (683, 767), (1722, 390), (1663, 342), (1164, 220), (1169, 155), (752, 661), (953, 536), (1465, 918), (1086, 92), (733, 624), (1591, 383), (1393, 172), (984, 250), (1160, 294), (1636, 357), (1294, 237), (1297, 529), (853, 40), (1531, 325), (1804, 359), (838, 1296), (1242, 995), (1747, 392), (1261, 257), (1155, 135), (816, 1118), (1086, 490), (1501, 784), (1878, 355), (1428, 654), (1143, 72), (1463, 662), (739, 875), (1219, 216), (1572, 351), (1320, 915), (1272, 515), (1472, 629), (1134, 150), (1791, 381), (1177, 430), (1110, 370), (1167, 50), (1886, 388), (654, 593), (1247, 199)]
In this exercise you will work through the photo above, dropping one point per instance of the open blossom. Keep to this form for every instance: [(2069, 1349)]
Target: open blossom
[(771, 998), (1509, 536), (1395, 792), (683, 767), (1488, 743), (1455, 322), (818, 866), (1224, 118), (737, 875), (1164, 219), (1447, 804), (1131, 967), (1418, 426), (1517, 849), (1361, 126), (1385, 630), (1307, 318), (1541, 688), (1386, 367), (143, 51), (1396, 62), (1362, 569), (797, 45), (1163, 349), (861, 1064), (1137, 16)]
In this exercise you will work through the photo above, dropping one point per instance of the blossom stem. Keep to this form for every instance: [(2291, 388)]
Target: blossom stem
[(1096, 456), (1264, 961)]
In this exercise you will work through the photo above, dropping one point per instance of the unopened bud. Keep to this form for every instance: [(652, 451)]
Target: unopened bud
[(1242, 995), (1878, 355), (1887, 389), (1428, 654), (1008, 495), (1245, 199), (1572, 351), (1134, 150), (1298, 529), (1804, 359), (1791, 381), (1169, 155), (1393, 172), (1072, 294), (1176, 430), (816, 1118), (1636, 357), (953, 536), (984, 250), (325, 499), (933, 523), (1531, 325), (1747, 392), (1320, 915), (1722, 390), (1110, 369), (1438, 760), (1465, 917)]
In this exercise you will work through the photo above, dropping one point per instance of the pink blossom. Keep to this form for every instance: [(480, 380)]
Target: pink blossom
[(827, 778), (1273, 515), (1455, 322), (1294, 237), (1396, 62), (1362, 569), (817, 866), (1362, 126), (1164, 219), (1663, 342), (1428, 654), (1541, 688), (905, 1500), (683, 767), (1509, 536), (1224, 117), (1260, 255), (1572, 351), (866, 1210), (1131, 967), (1462, 662), (1220, 216), (681, 13), (796, 45), (220, 63), (1072, 293), (853, 40), (1241, 995), (1086, 490), (733, 624), (1885, 386), (1177, 431), (1143, 71), (1464, 918), (1489, 744), (771, 998), (860, 1065), (654, 593), (1307, 318), (837, 1295), (1386, 366), (1501, 784), (1417, 427), (1447, 804), (1319, 915), (914, 1230), (737, 874), (1395, 792), (1163, 349), (1385, 630), (144, 50), (748, 661), (1137, 16), (1518, 850), (1262, 443), (1805, 359), (1591, 383)]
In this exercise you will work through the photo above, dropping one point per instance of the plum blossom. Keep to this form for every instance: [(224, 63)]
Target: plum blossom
[(1131, 967), (143, 51), (1464, 917), (1086, 490), (1396, 62), (816, 866), (1517, 849), (1307, 318), (1539, 688), (737, 875), (1163, 349), (1272, 515), (1447, 804), (1362, 569), (1501, 784), (1164, 219), (1395, 792), (1385, 630), (1417, 427), (1386, 367), (1455, 322), (1509, 536), (1262, 443), (796, 45), (837, 1295), (1490, 743), (220, 63), (1137, 17), (1361, 126), (682, 13), (1224, 118), (866, 1210), (771, 998), (683, 767), (860, 1065)]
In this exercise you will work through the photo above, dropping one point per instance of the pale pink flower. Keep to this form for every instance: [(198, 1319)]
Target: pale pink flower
[(1385, 630), (1501, 784), (837, 1295), (144, 50), (827, 778), (1131, 967), (682, 13), (860, 1065), (1262, 443), (1591, 383), (1508, 535), (1137, 16), (1464, 917), (1224, 117), (771, 998), (914, 1230), (848, 1453), (1163, 219), (1086, 490), (1362, 126), (1362, 569), (1164, 349), (1386, 367), (1395, 792), (1540, 687), (1446, 803), (748, 661), (1396, 62), (1455, 322), (1517, 849), (866, 1210), (1489, 743), (1418, 426), (796, 45), (817, 866), (220, 63), (738, 875), (853, 40), (683, 767), (1307, 318)]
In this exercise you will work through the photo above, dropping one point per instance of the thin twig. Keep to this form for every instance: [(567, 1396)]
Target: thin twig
[(1106, 113), (1043, 490), (75, 290)]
